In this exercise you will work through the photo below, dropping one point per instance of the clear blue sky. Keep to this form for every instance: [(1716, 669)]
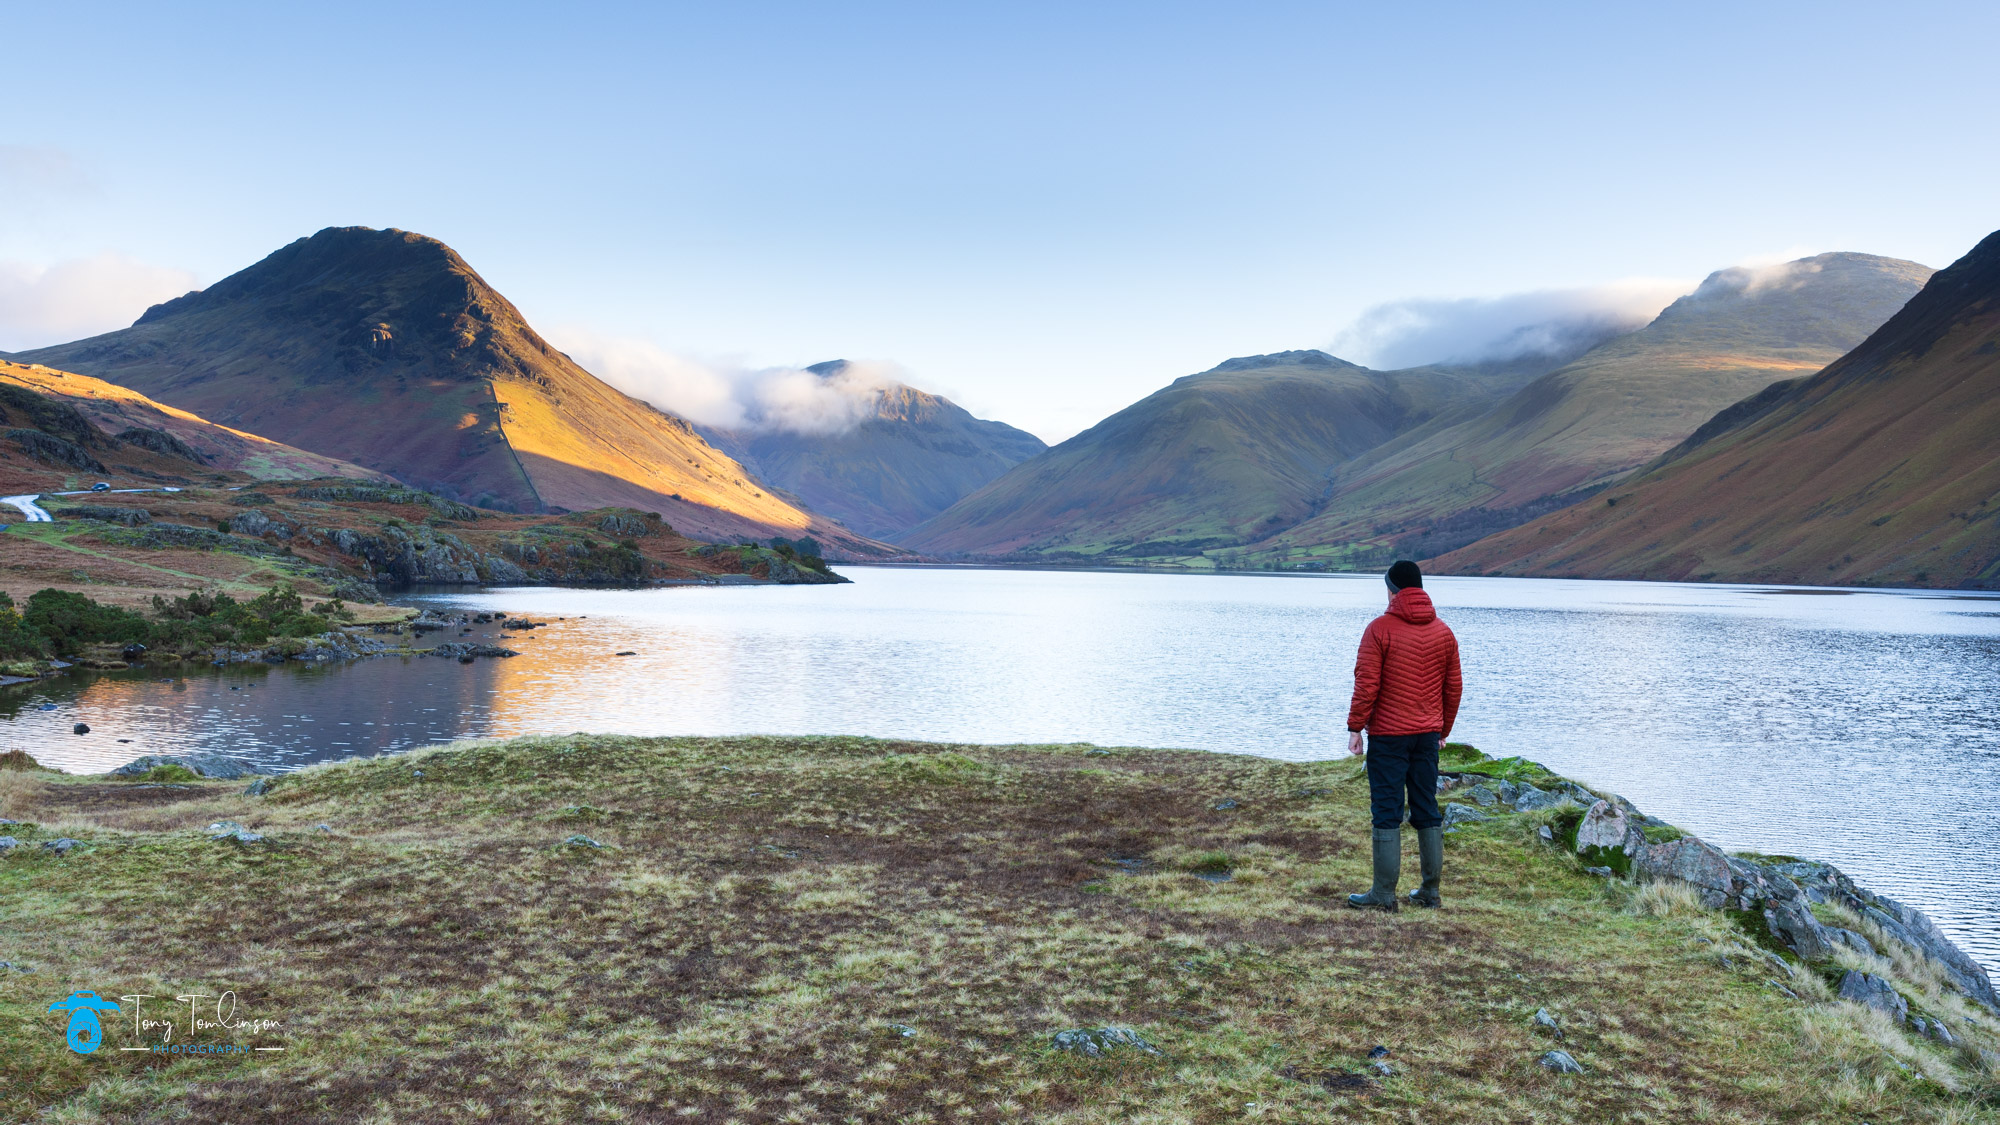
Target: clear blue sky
[(1045, 210)]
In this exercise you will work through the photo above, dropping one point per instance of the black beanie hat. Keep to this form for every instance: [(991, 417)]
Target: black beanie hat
[(1404, 575)]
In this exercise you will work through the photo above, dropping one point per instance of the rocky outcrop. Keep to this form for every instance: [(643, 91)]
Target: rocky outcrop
[(105, 513), (256, 523), (160, 441), (1609, 837), (218, 766), (52, 450)]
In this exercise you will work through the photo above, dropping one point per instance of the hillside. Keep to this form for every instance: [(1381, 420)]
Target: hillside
[(914, 455), (158, 440), (1213, 460), (385, 348), (1607, 413), (1882, 469)]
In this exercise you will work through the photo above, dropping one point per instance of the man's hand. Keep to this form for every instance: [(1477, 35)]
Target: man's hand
[(1354, 743)]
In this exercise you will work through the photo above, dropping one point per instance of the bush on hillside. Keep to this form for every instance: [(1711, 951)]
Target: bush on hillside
[(18, 640), (68, 621)]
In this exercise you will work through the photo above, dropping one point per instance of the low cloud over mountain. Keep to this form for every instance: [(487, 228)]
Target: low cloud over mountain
[(732, 396), (1562, 323)]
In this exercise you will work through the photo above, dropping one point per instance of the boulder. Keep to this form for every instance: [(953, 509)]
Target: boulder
[(1695, 862), (1915, 929), (1604, 826), (1851, 940), (1871, 991), (1794, 925), (1529, 798), (1484, 797), (1455, 815), (204, 765)]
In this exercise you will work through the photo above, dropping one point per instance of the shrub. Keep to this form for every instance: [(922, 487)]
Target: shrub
[(18, 639), (70, 621)]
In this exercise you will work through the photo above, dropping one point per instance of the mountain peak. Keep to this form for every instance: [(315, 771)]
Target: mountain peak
[(1309, 357)]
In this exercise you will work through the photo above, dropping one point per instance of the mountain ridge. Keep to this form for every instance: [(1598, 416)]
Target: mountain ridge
[(1883, 468), (385, 348), (1213, 459), (911, 456), (1608, 412)]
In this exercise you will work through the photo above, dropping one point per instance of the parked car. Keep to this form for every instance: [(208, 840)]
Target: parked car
[(101, 486)]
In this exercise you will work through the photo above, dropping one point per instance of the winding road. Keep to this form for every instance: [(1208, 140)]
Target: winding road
[(37, 514), (28, 507)]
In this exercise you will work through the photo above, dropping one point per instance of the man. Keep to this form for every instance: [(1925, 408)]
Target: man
[(1406, 689)]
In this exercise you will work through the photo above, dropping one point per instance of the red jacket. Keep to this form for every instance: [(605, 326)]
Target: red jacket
[(1406, 677)]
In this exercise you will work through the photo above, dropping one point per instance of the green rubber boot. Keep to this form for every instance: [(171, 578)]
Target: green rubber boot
[(1388, 867), (1430, 856)]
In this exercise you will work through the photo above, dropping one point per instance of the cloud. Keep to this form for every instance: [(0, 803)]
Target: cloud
[(41, 305), (730, 395), (1549, 322), (1753, 279)]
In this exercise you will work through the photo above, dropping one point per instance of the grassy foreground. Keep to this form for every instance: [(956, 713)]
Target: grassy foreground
[(845, 929)]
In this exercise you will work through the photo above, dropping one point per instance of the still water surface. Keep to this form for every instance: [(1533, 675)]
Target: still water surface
[(1857, 727)]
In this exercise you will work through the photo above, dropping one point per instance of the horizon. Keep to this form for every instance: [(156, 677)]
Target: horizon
[(1036, 213)]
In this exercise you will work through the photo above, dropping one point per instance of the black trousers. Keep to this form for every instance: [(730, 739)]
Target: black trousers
[(1399, 764)]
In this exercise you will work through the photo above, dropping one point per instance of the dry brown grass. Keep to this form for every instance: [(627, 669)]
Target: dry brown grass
[(766, 910)]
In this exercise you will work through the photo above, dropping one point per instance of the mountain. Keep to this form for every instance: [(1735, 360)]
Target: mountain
[(1596, 419), (911, 456), (1882, 469), (1214, 459), (385, 348), (132, 428)]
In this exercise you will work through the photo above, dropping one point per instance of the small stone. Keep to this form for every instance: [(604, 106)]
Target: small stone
[(1483, 796), (1548, 1023), (258, 787), (902, 1031), (8, 844), (1600, 872), (1942, 1034), (1561, 1063), (1547, 834), (62, 846), (323, 827), (81, 728), (417, 774), (1383, 1068), (1223, 805), (581, 841), (1378, 1051)]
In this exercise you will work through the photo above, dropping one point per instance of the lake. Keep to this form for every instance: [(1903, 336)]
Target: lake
[(1858, 727)]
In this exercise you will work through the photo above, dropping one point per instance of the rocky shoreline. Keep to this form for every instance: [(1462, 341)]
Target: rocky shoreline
[(1773, 898)]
